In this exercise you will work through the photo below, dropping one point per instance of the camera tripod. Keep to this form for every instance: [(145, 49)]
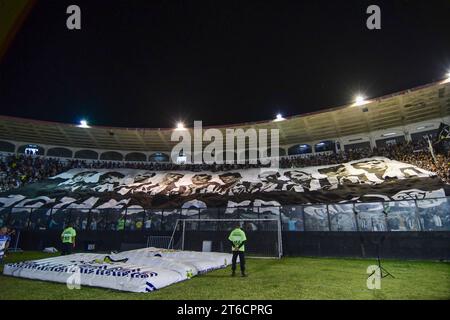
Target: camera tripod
[(380, 267)]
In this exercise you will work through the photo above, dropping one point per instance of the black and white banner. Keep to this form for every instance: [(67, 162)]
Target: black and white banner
[(370, 179)]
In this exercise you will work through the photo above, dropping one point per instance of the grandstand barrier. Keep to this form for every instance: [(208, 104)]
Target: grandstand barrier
[(412, 228), (403, 215), (406, 245)]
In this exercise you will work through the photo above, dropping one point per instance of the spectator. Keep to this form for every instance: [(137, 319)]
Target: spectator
[(18, 170), (68, 240), (5, 239)]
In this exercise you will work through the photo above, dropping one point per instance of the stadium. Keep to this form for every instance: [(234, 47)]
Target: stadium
[(360, 196)]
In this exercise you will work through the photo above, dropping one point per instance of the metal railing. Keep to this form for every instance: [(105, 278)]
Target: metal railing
[(401, 215)]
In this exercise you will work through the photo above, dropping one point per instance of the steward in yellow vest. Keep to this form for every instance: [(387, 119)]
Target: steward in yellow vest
[(238, 238)]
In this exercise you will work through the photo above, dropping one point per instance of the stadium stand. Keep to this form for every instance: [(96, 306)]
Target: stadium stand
[(354, 168), (17, 170)]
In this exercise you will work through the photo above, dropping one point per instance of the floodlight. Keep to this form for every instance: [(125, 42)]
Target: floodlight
[(180, 126), (83, 124), (359, 99), (279, 117), (447, 78)]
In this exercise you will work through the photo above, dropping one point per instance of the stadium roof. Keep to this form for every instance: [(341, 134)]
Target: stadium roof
[(410, 106)]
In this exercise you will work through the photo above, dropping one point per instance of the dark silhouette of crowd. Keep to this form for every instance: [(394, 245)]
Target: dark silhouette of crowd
[(17, 170), (162, 166), (416, 153), (420, 156)]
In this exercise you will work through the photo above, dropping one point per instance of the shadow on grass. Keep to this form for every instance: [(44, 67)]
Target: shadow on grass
[(225, 276)]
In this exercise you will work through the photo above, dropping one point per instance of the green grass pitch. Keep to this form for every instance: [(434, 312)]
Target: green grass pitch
[(288, 278)]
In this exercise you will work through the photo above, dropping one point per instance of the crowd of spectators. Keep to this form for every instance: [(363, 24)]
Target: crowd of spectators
[(422, 158), (416, 153), (17, 170), (161, 166)]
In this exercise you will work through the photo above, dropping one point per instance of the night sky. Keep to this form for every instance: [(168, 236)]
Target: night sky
[(152, 63)]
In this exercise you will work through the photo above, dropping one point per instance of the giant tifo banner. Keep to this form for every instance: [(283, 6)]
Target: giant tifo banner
[(141, 270), (371, 179)]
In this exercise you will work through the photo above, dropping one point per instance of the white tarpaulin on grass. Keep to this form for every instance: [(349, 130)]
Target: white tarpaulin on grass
[(141, 270)]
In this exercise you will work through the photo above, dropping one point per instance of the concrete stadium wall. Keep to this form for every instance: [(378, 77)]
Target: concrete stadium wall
[(374, 138), (404, 245)]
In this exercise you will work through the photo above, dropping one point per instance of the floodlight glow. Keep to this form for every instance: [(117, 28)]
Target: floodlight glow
[(180, 126), (279, 117), (447, 79), (83, 124), (359, 99)]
